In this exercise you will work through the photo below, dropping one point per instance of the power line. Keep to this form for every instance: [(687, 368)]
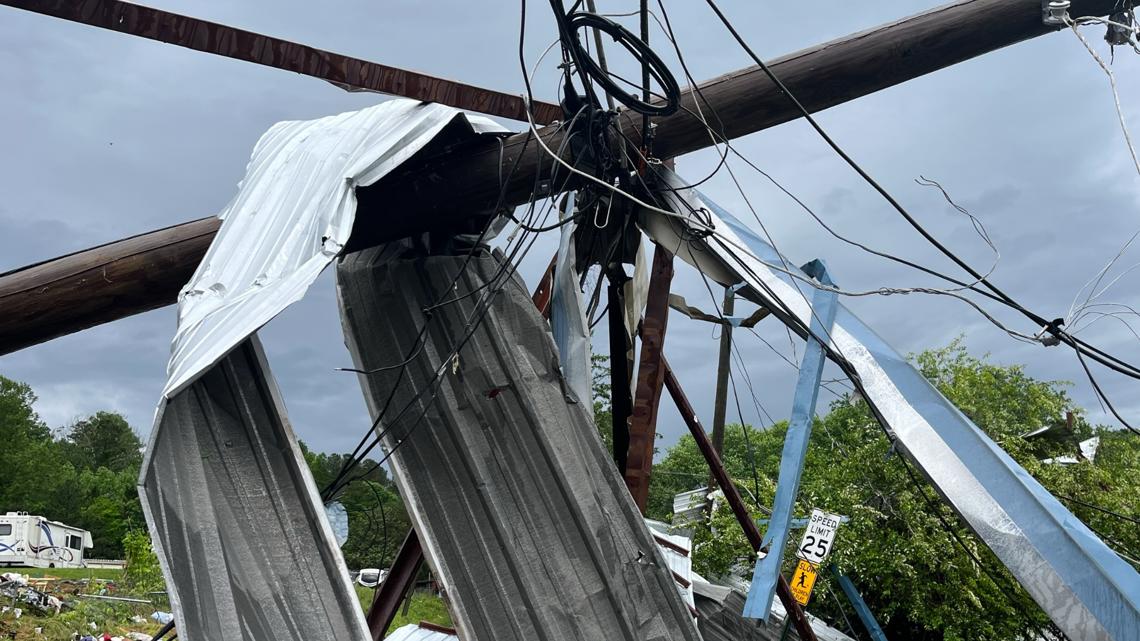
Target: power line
[(1050, 327)]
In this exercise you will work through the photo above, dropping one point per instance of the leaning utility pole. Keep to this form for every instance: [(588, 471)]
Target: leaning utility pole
[(724, 368), (744, 102)]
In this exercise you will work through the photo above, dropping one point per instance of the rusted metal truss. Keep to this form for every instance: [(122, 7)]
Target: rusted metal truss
[(731, 494), (399, 580), (239, 44), (650, 377)]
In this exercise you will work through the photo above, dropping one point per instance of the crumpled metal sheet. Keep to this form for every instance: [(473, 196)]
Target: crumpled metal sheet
[(1088, 591), (292, 215), (568, 319), (767, 573), (720, 619), (677, 550), (235, 517), (514, 497)]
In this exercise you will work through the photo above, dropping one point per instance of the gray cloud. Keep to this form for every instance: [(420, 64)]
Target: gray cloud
[(106, 136)]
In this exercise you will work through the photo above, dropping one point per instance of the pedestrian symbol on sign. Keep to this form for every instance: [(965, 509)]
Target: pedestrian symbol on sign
[(803, 581)]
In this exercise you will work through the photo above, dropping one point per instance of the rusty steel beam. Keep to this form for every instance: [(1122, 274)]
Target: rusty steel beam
[(400, 579), (732, 495), (239, 44), (650, 377), (545, 290), (446, 189)]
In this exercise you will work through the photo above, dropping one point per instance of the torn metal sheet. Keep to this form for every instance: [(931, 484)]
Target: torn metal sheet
[(292, 215), (636, 291), (518, 505), (1088, 591), (677, 548), (679, 304), (691, 507), (568, 319), (242, 538), (720, 619)]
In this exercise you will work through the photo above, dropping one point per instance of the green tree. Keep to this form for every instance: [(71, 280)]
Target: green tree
[(901, 545), (103, 440), (142, 573), (32, 465), (377, 518), (603, 415)]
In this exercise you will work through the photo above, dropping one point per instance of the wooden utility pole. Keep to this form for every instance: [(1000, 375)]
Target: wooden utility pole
[(98, 285), (442, 191), (724, 367)]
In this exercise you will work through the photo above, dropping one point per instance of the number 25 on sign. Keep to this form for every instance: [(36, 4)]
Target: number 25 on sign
[(818, 537)]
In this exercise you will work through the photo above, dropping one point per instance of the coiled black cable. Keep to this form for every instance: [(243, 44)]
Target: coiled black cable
[(639, 50), (571, 22)]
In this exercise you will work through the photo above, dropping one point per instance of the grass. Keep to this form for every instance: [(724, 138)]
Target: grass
[(116, 618), (112, 617), (424, 607), (110, 574)]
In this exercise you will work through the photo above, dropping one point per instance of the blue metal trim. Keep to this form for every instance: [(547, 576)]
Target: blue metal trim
[(767, 572), (858, 603)]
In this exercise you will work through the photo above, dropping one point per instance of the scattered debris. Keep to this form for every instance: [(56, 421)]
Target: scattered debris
[(38, 601)]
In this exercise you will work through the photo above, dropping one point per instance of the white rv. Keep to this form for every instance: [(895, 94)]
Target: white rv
[(37, 542)]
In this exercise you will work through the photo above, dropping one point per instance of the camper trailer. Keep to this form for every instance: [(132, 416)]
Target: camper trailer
[(34, 541)]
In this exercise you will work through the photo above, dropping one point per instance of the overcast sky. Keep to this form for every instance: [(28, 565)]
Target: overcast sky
[(105, 135)]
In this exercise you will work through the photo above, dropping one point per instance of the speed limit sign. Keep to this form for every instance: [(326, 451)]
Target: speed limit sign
[(818, 537)]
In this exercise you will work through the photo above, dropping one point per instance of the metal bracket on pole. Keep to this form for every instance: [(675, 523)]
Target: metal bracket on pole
[(767, 573)]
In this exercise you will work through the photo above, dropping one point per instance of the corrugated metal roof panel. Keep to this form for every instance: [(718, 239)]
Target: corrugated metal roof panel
[(515, 498), (689, 507), (245, 548)]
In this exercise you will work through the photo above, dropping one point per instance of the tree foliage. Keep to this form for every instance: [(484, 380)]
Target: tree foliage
[(377, 519), (903, 548), (86, 478), (103, 440), (86, 475)]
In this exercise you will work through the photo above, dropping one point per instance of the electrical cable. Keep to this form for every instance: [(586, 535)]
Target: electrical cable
[(1098, 508), (163, 631), (1049, 327), (572, 21), (339, 483), (1111, 76)]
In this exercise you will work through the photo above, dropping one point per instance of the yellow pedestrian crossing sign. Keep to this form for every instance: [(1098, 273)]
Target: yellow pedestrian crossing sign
[(803, 580)]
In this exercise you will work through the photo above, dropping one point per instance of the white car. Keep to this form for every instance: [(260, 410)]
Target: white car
[(371, 577)]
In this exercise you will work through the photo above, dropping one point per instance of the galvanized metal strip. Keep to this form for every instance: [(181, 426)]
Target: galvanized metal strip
[(857, 602), (1088, 591), (515, 500), (239, 44), (767, 571), (242, 538)]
